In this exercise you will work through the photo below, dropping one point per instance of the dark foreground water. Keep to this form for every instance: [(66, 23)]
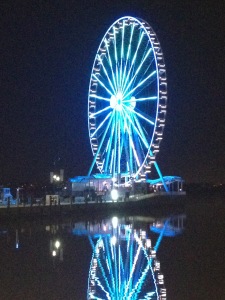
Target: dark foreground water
[(106, 258)]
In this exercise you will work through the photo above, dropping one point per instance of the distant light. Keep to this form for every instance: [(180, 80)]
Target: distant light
[(53, 253), (114, 195), (57, 178), (57, 244), (115, 222)]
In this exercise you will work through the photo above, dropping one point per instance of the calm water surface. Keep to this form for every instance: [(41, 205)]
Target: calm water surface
[(71, 258)]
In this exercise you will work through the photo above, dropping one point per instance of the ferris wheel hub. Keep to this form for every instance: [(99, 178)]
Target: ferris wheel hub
[(117, 101)]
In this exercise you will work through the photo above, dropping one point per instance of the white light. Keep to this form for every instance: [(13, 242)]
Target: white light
[(113, 240), (57, 244), (114, 222), (57, 178), (114, 194), (132, 103), (116, 101), (53, 253), (113, 101), (148, 243)]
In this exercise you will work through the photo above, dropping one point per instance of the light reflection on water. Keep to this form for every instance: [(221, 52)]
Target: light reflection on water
[(114, 258)]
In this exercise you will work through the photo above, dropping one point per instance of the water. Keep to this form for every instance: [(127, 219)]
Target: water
[(52, 259)]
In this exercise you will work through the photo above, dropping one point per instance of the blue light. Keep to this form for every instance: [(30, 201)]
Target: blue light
[(121, 269), (125, 98)]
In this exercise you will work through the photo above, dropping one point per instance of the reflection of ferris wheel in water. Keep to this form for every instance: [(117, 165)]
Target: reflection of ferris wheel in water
[(127, 100), (124, 267)]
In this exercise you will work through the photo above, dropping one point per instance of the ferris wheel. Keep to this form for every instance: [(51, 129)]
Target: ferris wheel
[(125, 268), (127, 100)]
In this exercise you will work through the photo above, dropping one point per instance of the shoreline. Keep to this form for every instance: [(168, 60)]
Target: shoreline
[(141, 204)]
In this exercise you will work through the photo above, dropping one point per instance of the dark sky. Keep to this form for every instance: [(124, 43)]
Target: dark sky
[(46, 54)]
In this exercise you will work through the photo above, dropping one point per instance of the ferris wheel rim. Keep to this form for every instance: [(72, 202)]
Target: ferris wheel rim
[(161, 93)]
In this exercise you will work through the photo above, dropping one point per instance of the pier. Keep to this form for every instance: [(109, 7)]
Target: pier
[(139, 203)]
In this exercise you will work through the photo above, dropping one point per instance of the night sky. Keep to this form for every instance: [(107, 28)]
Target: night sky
[(46, 54)]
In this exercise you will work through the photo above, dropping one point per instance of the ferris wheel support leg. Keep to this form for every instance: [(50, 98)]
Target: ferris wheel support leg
[(161, 177), (92, 165)]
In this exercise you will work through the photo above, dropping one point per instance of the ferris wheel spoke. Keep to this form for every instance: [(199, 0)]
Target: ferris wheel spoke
[(144, 86), (109, 146), (122, 54), (153, 98), (144, 71), (132, 156), (99, 97), (131, 143), (137, 131), (129, 282), (116, 57), (116, 272), (134, 151), (99, 112), (141, 279), (110, 64), (111, 163), (102, 271), (115, 146), (128, 53), (106, 73), (141, 132), (119, 144), (109, 255), (102, 84), (124, 146), (148, 120), (101, 142), (101, 124), (109, 297), (136, 72), (140, 84), (133, 60)]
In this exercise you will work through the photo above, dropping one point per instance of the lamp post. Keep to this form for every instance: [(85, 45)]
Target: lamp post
[(18, 195)]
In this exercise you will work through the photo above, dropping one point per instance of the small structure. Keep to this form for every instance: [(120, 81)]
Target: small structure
[(5, 195), (52, 200), (175, 184), (93, 186), (96, 182)]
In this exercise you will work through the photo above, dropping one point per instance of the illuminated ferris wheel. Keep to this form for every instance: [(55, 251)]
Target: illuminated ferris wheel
[(124, 267), (127, 100)]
